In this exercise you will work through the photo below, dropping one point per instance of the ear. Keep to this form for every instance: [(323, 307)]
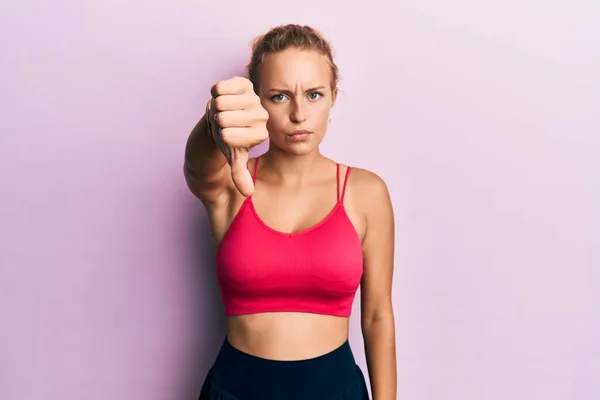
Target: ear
[(334, 93)]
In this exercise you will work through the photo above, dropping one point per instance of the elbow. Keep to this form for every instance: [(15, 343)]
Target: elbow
[(383, 318)]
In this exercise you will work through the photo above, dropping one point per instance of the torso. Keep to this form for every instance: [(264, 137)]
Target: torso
[(290, 210)]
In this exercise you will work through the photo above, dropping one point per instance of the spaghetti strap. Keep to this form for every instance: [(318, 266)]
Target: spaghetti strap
[(255, 170), (337, 180), (345, 182)]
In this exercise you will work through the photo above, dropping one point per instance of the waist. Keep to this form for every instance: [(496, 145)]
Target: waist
[(238, 372), (287, 335)]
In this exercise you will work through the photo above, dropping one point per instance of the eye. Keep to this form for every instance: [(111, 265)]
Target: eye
[(278, 97), (314, 95)]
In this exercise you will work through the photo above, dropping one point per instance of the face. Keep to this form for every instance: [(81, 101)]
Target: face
[(295, 88)]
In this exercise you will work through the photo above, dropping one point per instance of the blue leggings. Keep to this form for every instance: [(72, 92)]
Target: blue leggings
[(237, 375)]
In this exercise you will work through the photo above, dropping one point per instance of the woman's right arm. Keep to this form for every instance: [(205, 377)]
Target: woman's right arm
[(205, 168)]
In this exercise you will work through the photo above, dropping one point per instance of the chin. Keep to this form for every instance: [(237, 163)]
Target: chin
[(298, 148)]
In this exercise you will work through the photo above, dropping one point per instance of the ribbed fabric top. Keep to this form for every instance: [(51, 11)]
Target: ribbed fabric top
[(317, 270)]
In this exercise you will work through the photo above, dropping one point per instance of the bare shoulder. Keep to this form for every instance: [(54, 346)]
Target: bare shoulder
[(371, 199), (368, 188), (367, 202)]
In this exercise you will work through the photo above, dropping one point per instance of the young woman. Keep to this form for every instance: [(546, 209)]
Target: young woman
[(296, 233)]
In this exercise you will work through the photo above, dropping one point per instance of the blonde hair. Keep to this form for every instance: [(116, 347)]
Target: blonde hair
[(288, 36)]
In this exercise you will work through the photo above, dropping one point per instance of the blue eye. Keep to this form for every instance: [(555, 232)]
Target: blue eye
[(314, 95), (278, 97)]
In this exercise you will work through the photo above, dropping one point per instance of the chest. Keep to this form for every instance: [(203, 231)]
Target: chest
[(328, 251), (293, 212)]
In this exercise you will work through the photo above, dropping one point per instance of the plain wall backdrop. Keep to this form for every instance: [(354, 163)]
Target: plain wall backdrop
[(482, 117)]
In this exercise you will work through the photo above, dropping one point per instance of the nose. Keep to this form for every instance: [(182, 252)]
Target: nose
[(298, 113)]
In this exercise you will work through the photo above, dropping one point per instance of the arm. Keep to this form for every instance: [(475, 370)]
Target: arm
[(205, 167), (377, 316)]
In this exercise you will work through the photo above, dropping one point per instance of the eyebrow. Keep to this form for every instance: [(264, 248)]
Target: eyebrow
[(312, 89)]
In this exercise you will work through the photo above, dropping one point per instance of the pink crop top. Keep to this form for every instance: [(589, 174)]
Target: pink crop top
[(317, 270)]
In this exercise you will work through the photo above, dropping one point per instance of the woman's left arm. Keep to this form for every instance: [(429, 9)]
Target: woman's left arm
[(377, 316)]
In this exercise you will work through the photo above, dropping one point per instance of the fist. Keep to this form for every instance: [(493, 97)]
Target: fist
[(238, 122)]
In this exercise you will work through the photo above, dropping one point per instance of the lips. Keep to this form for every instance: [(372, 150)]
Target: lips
[(298, 133)]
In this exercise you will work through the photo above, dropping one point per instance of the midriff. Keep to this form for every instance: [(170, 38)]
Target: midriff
[(287, 335)]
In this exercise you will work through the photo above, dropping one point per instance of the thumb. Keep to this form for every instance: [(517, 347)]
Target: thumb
[(239, 171)]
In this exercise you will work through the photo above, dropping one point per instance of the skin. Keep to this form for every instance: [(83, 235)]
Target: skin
[(296, 189)]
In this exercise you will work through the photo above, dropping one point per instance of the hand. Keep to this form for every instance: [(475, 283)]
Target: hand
[(241, 123)]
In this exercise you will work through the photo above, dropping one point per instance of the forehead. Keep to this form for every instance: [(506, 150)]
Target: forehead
[(295, 66)]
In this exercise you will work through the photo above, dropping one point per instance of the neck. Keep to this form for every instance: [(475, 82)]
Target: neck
[(290, 167)]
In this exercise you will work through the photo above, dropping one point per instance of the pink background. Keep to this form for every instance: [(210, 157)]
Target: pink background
[(483, 117)]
